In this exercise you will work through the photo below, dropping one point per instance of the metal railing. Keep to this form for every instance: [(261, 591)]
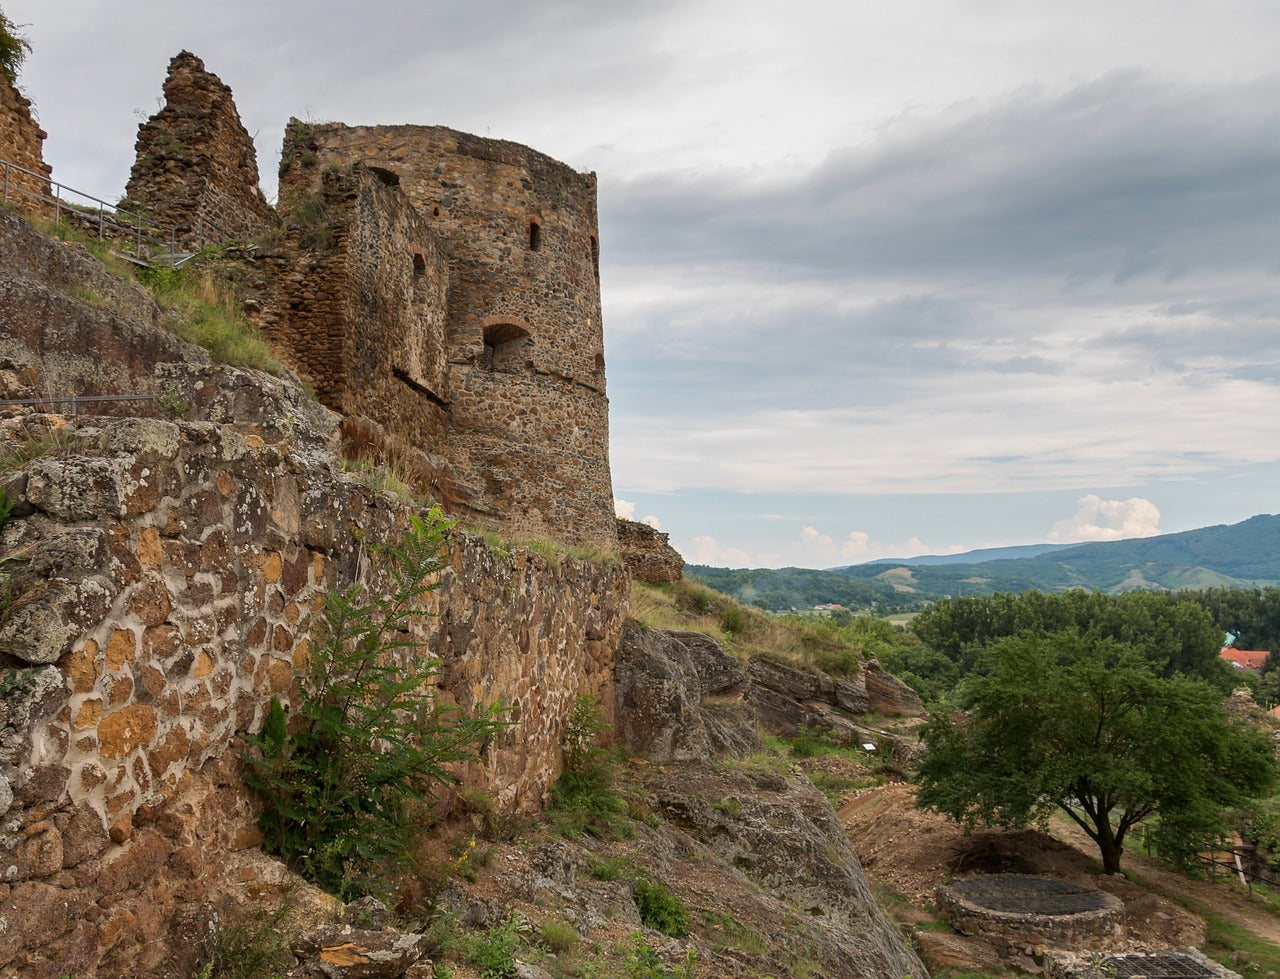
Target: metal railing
[(76, 400), (146, 238)]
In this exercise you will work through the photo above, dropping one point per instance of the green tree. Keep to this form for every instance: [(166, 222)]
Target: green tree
[(1087, 725), (14, 49), (1173, 632), (337, 781)]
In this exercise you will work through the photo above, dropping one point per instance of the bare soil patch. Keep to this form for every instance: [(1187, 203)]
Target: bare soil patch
[(910, 852)]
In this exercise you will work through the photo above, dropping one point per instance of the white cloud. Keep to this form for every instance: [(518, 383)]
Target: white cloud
[(816, 548), (705, 550), (1099, 519), (626, 510)]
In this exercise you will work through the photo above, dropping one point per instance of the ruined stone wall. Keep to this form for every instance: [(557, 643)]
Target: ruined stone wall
[(1023, 937), (196, 168), (355, 301), (174, 571), (22, 144), (528, 416), (647, 553)]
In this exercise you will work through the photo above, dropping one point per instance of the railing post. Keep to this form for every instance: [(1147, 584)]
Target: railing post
[(6, 183), (57, 204), (100, 215)]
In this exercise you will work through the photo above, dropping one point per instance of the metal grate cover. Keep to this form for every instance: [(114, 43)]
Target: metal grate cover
[(1172, 965), (1030, 895)]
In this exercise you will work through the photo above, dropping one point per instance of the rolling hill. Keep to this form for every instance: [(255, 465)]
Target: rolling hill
[(1242, 555)]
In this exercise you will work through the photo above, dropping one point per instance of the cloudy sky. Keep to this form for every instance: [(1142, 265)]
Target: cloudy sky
[(879, 278)]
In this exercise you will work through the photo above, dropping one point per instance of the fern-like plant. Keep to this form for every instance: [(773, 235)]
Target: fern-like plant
[(338, 780)]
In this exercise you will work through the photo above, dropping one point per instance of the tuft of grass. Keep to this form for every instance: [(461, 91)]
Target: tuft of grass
[(206, 315), (661, 908), (610, 868), (558, 936), (250, 944), (310, 217), (55, 440)]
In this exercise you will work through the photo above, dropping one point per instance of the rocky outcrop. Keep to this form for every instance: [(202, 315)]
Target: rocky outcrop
[(680, 697), (22, 144), (783, 834), (648, 554), (790, 700), (72, 328), (196, 169)]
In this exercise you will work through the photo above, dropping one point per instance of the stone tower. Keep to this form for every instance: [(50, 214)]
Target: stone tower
[(525, 412)]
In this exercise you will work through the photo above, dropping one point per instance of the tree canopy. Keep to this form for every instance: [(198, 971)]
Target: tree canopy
[(1088, 725), (1172, 632)]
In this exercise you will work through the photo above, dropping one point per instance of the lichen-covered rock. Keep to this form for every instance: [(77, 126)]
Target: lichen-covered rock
[(346, 952), (790, 700), (783, 833), (679, 697)]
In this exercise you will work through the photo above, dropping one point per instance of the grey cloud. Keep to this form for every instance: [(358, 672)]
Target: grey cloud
[(1123, 177)]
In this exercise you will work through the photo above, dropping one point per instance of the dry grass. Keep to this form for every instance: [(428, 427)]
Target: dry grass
[(748, 632)]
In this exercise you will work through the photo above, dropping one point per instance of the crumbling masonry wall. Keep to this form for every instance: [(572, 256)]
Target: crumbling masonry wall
[(355, 301), (523, 393), (442, 286), (173, 573), (22, 143), (196, 169), (647, 553)]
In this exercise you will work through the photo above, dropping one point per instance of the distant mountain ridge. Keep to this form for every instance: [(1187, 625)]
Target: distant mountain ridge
[(979, 556), (1242, 555)]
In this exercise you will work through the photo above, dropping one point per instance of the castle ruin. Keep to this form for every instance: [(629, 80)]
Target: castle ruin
[(439, 290)]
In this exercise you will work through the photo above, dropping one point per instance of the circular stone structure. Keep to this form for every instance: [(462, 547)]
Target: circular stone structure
[(1023, 916)]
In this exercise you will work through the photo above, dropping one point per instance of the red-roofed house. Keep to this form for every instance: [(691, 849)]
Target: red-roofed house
[(1245, 659)]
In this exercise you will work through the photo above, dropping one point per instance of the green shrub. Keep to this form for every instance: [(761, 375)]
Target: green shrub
[(661, 909), (337, 782), (585, 798), (493, 951), (14, 49)]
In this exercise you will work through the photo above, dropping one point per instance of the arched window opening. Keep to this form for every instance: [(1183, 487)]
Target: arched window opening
[(535, 234), (595, 255), (506, 346), (435, 211), (419, 264)]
